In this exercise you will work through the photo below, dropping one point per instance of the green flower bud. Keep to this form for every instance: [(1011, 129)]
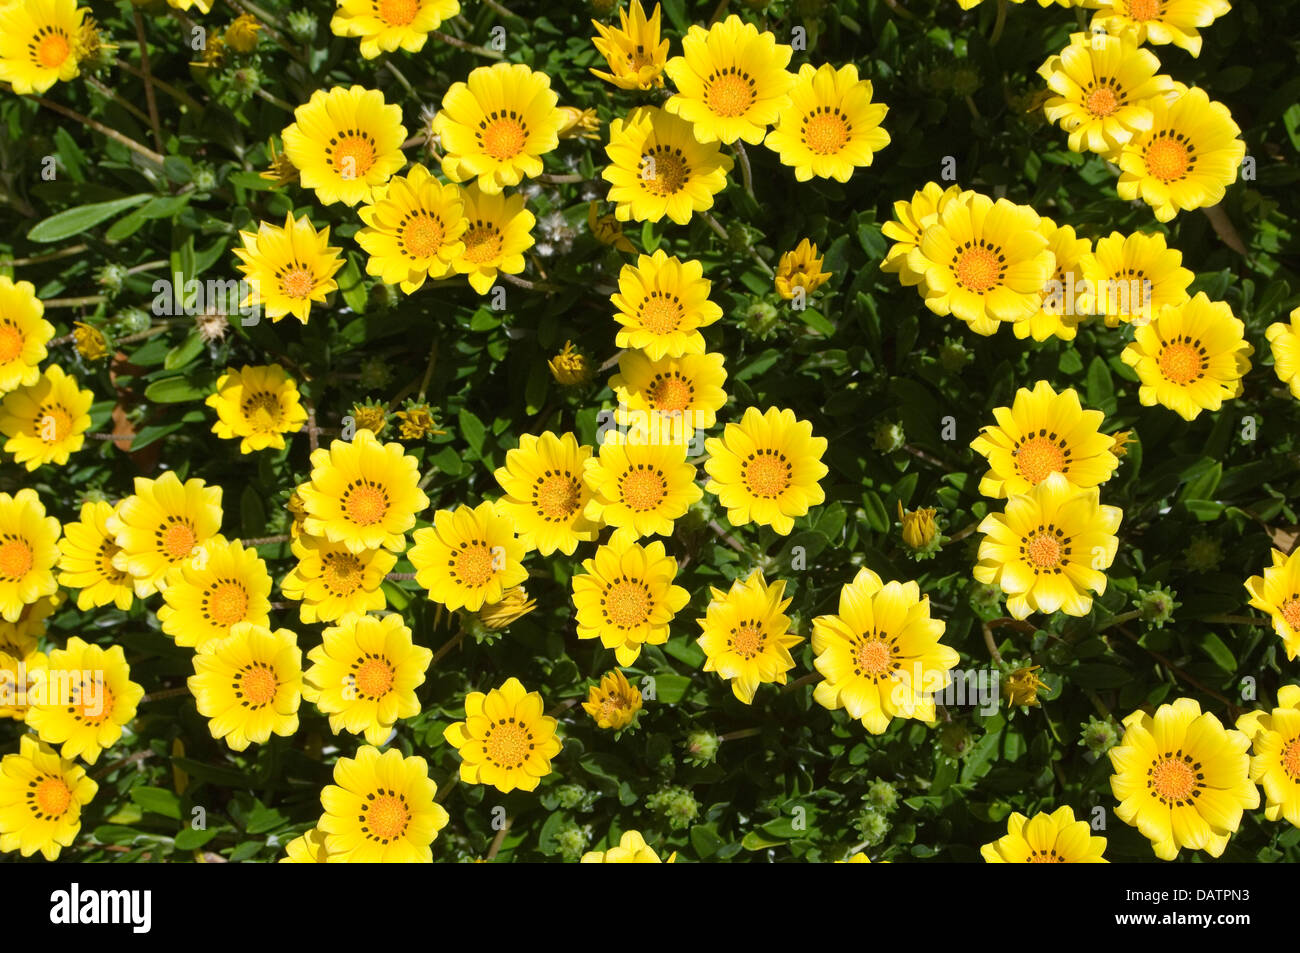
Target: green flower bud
[(888, 436), (1156, 606), (872, 825), (760, 318), (702, 747), (375, 374), (955, 739), (130, 321), (302, 25), (1098, 735), (111, 278), (571, 841), (953, 356), (1203, 554), (882, 795), (570, 796), (677, 805)]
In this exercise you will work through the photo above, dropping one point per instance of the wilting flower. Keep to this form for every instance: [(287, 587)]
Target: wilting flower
[(513, 605), (1022, 686), (570, 368), (800, 271), (614, 703), (90, 341), (241, 34)]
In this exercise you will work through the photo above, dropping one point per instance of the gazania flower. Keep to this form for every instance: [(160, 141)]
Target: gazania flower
[(468, 557), (1275, 747), (289, 267), (20, 675), (831, 126), (363, 494), (364, 675), (1159, 21), (499, 232), (641, 488), (1182, 779), (626, 598), (545, 493), (1066, 298), (380, 809), (505, 740), (86, 554), (308, 848), (46, 422), (1186, 160), (1048, 549), (161, 525), (662, 303), (570, 367), (512, 607), (731, 81), (38, 43), (1284, 342), (88, 698), (658, 168), (614, 703), (223, 585), (1042, 433), (766, 469), (747, 637), (345, 143), (880, 657), (41, 797), (677, 394), (607, 230), (20, 639), (1192, 357), (335, 584), (249, 684), (496, 126), (800, 271), (1130, 278), (23, 332), (28, 550), (911, 219), (1055, 838), (631, 849), (257, 406), (1277, 592), (385, 25), (413, 230), (634, 52)]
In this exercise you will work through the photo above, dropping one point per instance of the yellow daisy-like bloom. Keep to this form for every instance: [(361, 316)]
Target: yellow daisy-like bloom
[(363, 494), (1103, 85), (640, 488), (911, 219), (675, 394), (1042, 433), (19, 674), (23, 334), (385, 25), (249, 684), (1192, 357), (626, 598), (731, 81), (413, 230), (1277, 592), (831, 126), (1284, 342), (307, 848), (335, 584), (631, 849), (1130, 278), (89, 341), (747, 637), (345, 143), (505, 740), (46, 422), (89, 697), (545, 494), (662, 303), (1048, 550), (257, 406), (162, 524), (86, 554), (468, 557), (635, 53), (1160, 21), (41, 797), (1182, 779), (607, 230), (364, 675), (800, 270), (513, 606), (380, 809), (614, 703), (28, 550), (38, 43), (570, 367), (1186, 160), (241, 34), (222, 585), (1066, 300), (203, 6), (1055, 838), (766, 469), (658, 168), (20, 639), (1275, 750), (880, 657), (289, 267), (496, 126), (499, 231)]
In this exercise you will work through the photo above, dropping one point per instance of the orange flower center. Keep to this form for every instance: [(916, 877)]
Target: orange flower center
[(483, 243), (1173, 779), (257, 685), (353, 156), (96, 708), (628, 603), (1168, 159), (54, 423), (398, 12), (1291, 759), (16, 558), (767, 474), (342, 572), (1045, 857), (643, 488), (365, 504), (504, 138), (1145, 9), (747, 640), (661, 313), (11, 343), (978, 268), (1038, 458), (387, 816), (1181, 362), (262, 411), (826, 133), (1102, 101), (729, 94), (671, 393), (508, 744), (423, 236), (664, 172), (52, 796), (178, 540), (298, 282), (873, 657), (52, 50), (474, 564), (227, 604), (556, 496), (1044, 550), (374, 678)]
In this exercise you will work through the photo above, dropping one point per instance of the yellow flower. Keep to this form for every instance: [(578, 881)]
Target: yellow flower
[(880, 657), (1022, 685), (222, 585), (1192, 357), (308, 848), (257, 406), (28, 550), (514, 605), (212, 55), (578, 123), (23, 333), (41, 797), (364, 675), (86, 554), (249, 684), (46, 421), (334, 584), (570, 368), (417, 422), (640, 487), (1042, 433), (385, 25), (370, 416), (280, 171), (658, 168), (911, 219), (1277, 592), (918, 526), (1284, 342), (746, 634), (1182, 779), (1122, 439), (162, 524), (19, 679), (288, 267), (204, 6), (675, 394), (800, 270), (731, 81), (545, 493), (1275, 747), (380, 809), (1048, 550), (345, 142), (631, 849), (662, 303), (625, 597), (1066, 299), (90, 341), (1130, 278), (500, 231), (1055, 838), (38, 43), (614, 703), (88, 698), (413, 230), (468, 557), (505, 740), (831, 126), (241, 34), (1159, 21), (20, 638), (634, 52), (766, 469), (606, 229)]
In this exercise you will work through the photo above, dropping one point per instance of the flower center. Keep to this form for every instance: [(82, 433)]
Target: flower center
[(177, 540), (1044, 550), (1102, 101), (298, 282), (387, 816), (16, 558), (342, 572), (504, 138), (1038, 458), (423, 236), (52, 796), (365, 504), (873, 657), (747, 639), (1173, 779), (627, 603), (11, 343), (374, 678), (767, 473), (96, 703), (671, 393), (257, 685), (353, 156), (54, 423), (398, 12), (483, 243), (1168, 159), (227, 604), (52, 50), (1182, 362), (825, 133), (1144, 9), (730, 93), (979, 268), (661, 313), (1290, 757), (474, 564), (664, 172), (611, 706), (556, 496), (262, 411), (508, 744), (1045, 857), (643, 488), (107, 550)]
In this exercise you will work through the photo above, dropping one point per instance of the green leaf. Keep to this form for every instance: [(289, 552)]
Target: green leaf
[(158, 800), (74, 221), (175, 390)]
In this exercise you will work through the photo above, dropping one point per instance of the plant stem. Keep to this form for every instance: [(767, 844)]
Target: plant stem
[(447, 646), (499, 839), (746, 173), (99, 127), (468, 47), (149, 100), (999, 23), (41, 259)]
